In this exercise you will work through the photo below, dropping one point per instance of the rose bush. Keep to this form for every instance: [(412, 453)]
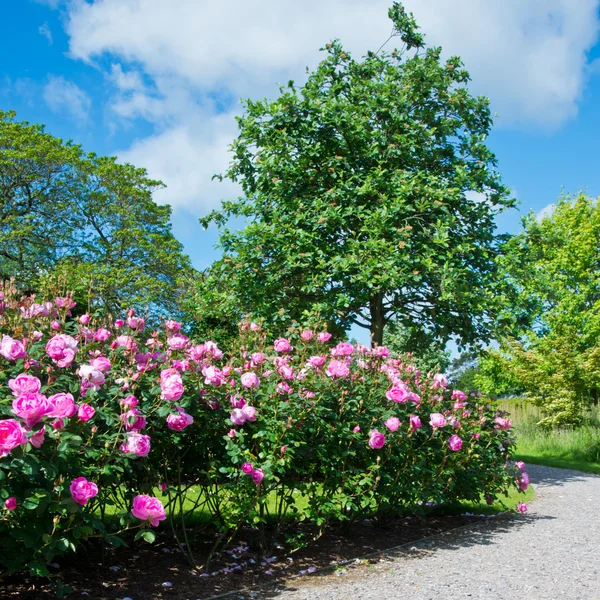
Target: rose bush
[(113, 426)]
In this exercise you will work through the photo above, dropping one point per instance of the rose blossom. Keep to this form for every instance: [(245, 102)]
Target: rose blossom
[(237, 416), (136, 443), (343, 349), (61, 349), (31, 408), (522, 508), (502, 423), (257, 358), (84, 319), (381, 351), (101, 334), (316, 361), (63, 405), (91, 376), (392, 423), (257, 476), (148, 508), (440, 380), (356, 429), (337, 369), (397, 394), (307, 335), (172, 326), (82, 490), (520, 465), (523, 481), (12, 435), (455, 443), (133, 420), (37, 439), (85, 412), (247, 468), (437, 420), (129, 402), (323, 337), (282, 345), (250, 380), (286, 371), (171, 385), (458, 395), (415, 422), (24, 384), (213, 376), (11, 503), (11, 349), (101, 363), (178, 342), (376, 439), (179, 421)]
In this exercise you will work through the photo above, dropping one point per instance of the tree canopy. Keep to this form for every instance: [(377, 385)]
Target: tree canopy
[(369, 195), (85, 220), (554, 264)]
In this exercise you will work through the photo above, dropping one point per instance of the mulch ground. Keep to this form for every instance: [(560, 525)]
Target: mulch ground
[(161, 571)]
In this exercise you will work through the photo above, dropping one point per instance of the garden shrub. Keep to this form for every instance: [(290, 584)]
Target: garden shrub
[(109, 427)]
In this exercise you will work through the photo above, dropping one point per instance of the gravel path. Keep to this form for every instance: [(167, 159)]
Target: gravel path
[(553, 552)]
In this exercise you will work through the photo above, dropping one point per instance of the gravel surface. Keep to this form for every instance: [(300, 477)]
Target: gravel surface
[(552, 552)]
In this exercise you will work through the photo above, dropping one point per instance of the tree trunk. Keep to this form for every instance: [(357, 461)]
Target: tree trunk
[(377, 320)]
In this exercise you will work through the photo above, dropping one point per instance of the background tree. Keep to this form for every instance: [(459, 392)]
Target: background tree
[(369, 195), (85, 221), (554, 264)]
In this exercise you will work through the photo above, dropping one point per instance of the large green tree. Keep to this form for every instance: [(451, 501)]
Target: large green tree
[(370, 196), (84, 221), (554, 264)]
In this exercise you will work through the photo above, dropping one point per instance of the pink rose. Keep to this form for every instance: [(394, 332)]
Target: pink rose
[(440, 381), (381, 352), (257, 358), (137, 444), (397, 394), (65, 302), (415, 422), (247, 468), (36, 336), (356, 429), (282, 345), (307, 335), (172, 326), (257, 476), (12, 435), (455, 443), (520, 465), (82, 490), (92, 376), (376, 439), (343, 349), (254, 327), (147, 508), (61, 349), (392, 423), (85, 412), (24, 384), (133, 420), (84, 319), (323, 337), (523, 481), (502, 423), (250, 380), (237, 416), (231, 433), (178, 342), (437, 420), (180, 421), (37, 439), (11, 503), (316, 361), (283, 388), (101, 363), (522, 508), (283, 449), (286, 371), (129, 402), (172, 388), (458, 395), (101, 335), (249, 413), (337, 369), (63, 405), (11, 349), (119, 323), (476, 436), (213, 376), (31, 408), (136, 323)]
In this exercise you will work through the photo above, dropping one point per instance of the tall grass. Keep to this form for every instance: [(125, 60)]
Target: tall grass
[(566, 446)]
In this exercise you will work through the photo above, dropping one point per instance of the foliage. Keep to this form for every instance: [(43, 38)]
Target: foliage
[(554, 265), (370, 196), (86, 221), (241, 437)]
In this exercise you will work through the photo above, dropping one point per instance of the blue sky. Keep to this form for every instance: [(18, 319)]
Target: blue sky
[(157, 83)]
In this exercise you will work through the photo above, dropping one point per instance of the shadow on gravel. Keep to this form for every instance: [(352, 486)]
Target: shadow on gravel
[(474, 534), (543, 475)]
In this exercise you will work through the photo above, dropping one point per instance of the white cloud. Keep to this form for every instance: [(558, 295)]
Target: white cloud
[(185, 158), (546, 212), (65, 97), (173, 61), (45, 31)]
